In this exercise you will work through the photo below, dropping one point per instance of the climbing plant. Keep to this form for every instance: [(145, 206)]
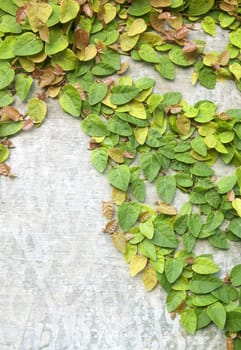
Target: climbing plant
[(72, 48)]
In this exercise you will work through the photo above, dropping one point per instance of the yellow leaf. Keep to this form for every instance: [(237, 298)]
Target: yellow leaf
[(149, 278), (108, 103), (127, 43), (119, 241), (88, 53), (236, 203), (137, 264), (235, 68), (141, 135), (183, 125), (142, 96), (27, 65), (110, 13), (116, 154), (137, 27), (137, 110), (118, 196), (38, 14), (167, 209), (39, 57)]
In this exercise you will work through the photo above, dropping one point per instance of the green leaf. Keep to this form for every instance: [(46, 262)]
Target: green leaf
[(202, 170), (99, 159), (207, 78), (233, 323), (7, 47), (97, 92), (150, 165), (6, 98), (70, 101), (119, 177), (175, 299), (122, 94), (139, 7), (164, 236), (4, 153), (166, 188), (37, 110), (201, 284), (226, 294), (208, 25), (194, 224), (28, 44), (189, 321), (216, 312), (235, 275), (8, 6), (178, 56), (235, 227), (57, 42), (23, 83), (10, 128), (166, 68), (69, 10), (159, 263), (147, 229), (147, 249), (138, 190), (148, 54), (203, 300), (8, 24), (6, 74), (235, 38), (226, 184), (199, 7), (173, 269), (65, 59), (204, 266), (128, 213)]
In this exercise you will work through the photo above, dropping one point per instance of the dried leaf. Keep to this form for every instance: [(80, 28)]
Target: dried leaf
[(111, 226), (108, 209)]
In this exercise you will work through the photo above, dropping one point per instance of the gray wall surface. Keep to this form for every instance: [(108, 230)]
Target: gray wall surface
[(63, 286)]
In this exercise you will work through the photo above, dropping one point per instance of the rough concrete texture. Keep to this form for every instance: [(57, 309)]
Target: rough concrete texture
[(63, 285)]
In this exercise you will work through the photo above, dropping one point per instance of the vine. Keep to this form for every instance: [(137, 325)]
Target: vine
[(137, 136)]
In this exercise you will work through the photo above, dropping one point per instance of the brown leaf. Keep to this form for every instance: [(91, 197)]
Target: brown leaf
[(81, 39), (189, 46), (124, 67), (10, 113), (156, 23), (53, 91), (229, 344), (181, 33), (88, 10), (5, 170), (46, 78), (165, 15), (231, 196), (21, 14), (144, 216), (44, 33), (108, 209), (224, 58), (111, 226), (28, 124), (7, 143)]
